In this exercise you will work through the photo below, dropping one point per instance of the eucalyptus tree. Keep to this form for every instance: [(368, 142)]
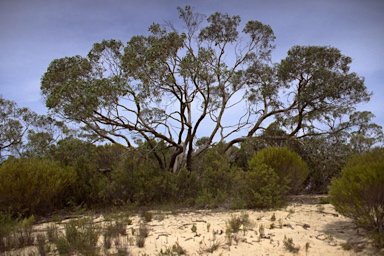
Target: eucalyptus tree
[(24, 133), (205, 78), (11, 129)]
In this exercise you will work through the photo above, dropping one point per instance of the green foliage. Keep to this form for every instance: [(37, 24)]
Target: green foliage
[(6, 224), (215, 177), (69, 150), (147, 216), (359, 192), (272, 136), (92, 188), (235, 222), (258, 188), (287, 165), (325, 156), (15, 234), (115, 228), (90, 184), (187, 66), (34, 186), (367, 134), (25, 133), (80, 237), (135, 181)]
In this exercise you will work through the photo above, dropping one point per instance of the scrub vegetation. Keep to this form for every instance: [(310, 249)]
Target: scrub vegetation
[(134, 113)]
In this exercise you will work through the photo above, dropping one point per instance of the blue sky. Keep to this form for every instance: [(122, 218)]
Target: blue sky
[(33, 33)]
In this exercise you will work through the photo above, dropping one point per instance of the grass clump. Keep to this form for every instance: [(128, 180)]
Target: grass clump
[(261, 231), (290, 246), (175, 250), (41, 244), (147, 216), (142, 235), (194, 228), (235, 223), (213, 246), (112, 231), (80, 237), (15, 234), (52, 233), (273, 218)]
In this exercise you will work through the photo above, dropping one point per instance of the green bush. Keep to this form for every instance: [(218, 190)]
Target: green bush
[(287, 165), (15, 234), (214, 177), (258, 188), (180, 188), (359, 192), (81, 237), (90, 184), (135, 181), (213, 187), (34, 186)]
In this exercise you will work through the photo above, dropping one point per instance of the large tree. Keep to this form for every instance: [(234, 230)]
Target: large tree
[(207, 78), (25, 133)]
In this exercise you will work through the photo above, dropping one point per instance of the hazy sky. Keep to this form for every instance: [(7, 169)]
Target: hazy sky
[(35, 32)]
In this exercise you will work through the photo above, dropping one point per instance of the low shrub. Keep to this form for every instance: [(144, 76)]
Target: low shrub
[(287, 165), (34, 186), (15, 234), (359, 192), (235, 222), (290, 246), (81, 237), (258, 188), (142, 235)]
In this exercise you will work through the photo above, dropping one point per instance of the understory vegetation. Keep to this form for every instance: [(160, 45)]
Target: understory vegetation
[(152, 98), (77, 175), (359, 193)]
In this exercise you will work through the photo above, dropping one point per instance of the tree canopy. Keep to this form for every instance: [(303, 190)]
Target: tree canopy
[(207, 78), (24, 132)]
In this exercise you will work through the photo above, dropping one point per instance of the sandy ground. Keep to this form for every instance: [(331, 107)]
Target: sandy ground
[(313, 228), (320, 226)]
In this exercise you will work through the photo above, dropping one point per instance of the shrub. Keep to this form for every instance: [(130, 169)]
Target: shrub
[(135, 181), (180, 187), (287, 165), (142, 235), (175, 250), (6, 225), (359, 192), (290, 246), (258, 188), (15, 234), (235, 222), (215, 177), (90, 184), (34, 186), (81, 237)]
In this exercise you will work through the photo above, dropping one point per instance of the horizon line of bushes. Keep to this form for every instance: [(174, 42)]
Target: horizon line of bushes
[(78, 175)]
